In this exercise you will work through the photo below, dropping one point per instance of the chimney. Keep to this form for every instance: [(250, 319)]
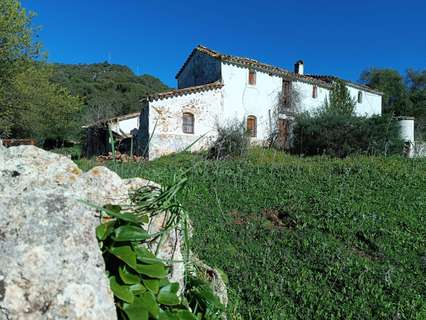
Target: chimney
[(298, 67)]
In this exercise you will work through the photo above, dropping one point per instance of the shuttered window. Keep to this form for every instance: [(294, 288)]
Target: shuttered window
[(314, 92), (252, 126), (286, 93), (252, 77), (188, 122)]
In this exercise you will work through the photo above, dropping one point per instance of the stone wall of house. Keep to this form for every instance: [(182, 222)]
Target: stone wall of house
[(166, 122), (201, 69)]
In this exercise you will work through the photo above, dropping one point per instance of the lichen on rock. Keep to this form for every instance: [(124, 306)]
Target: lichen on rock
[(50, 263)]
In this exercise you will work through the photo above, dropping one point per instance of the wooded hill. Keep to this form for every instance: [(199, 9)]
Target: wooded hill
[(106, 90)]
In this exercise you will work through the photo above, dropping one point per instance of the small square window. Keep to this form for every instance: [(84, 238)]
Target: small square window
[(252, 77)]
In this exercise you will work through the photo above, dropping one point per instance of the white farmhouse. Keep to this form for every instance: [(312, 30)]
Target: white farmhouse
[(215, 88)]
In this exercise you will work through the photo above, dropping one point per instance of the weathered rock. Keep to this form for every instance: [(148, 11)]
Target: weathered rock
[(50, 263)]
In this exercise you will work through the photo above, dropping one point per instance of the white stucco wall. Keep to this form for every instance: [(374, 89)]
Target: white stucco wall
[(165, 121), (307, 102), (126, 125), (371, 103), (240, 99)]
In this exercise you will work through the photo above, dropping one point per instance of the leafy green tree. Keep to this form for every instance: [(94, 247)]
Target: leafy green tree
[(30, 104), (16, 51), (417, 91), (340, 101), (50, 111), (396, 96)]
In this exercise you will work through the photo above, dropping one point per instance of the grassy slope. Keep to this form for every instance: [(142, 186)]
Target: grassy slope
[(350, 241)]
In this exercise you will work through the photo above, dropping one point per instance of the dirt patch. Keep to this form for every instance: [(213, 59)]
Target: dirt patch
[(279, 218), (368, 249), (239, 218)]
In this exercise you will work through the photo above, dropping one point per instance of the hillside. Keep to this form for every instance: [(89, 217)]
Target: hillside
[(107, 89), (313, 238)]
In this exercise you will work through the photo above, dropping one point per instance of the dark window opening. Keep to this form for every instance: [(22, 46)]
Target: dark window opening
[(359, 96), (286, 95), (314, 92), (188, 122), (252, 126)]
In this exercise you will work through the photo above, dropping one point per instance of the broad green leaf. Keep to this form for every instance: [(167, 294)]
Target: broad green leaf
[(152, 270), (142, 307), (152, 284), (148, 300), (104, 229), (127, 276), (146, 256), (120, 291), (137, 288), (167, 295), (130, 233), (135, 311), (186, 315), (166, 315), (164, 282), (126, 254)]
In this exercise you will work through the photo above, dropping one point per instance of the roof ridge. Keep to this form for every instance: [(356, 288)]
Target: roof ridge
[(182, 91), (319, 80)]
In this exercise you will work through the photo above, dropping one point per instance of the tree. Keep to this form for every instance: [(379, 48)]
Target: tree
[(417, 91), (16, 50), (30, 104), (340, 101), (395, 94), (49, 110)]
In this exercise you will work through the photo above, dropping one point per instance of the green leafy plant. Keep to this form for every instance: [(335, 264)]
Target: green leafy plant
[(340, 135), (137, 277)]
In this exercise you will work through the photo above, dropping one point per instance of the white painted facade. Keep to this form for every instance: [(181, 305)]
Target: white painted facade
[(236, 99), (166, 122)]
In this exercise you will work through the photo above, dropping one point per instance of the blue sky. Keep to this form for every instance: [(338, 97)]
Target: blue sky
[(155, 36)]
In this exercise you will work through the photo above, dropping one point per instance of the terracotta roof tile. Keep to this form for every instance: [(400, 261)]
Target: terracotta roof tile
[(183, 91), (324, 81), (251, 63), (331, 79)]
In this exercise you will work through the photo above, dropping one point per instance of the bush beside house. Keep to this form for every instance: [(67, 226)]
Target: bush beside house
[(335, 130)]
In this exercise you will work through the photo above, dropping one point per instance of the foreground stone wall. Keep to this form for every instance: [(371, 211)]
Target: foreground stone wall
[(50, 263)]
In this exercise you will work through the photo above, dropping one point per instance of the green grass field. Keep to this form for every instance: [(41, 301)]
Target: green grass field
[(314, 238)]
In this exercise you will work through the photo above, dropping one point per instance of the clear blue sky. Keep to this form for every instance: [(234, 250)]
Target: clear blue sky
[(155, 36)]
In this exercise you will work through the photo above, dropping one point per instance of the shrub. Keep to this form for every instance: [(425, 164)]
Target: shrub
[(342, 134), (232, 141), (340, 101)]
